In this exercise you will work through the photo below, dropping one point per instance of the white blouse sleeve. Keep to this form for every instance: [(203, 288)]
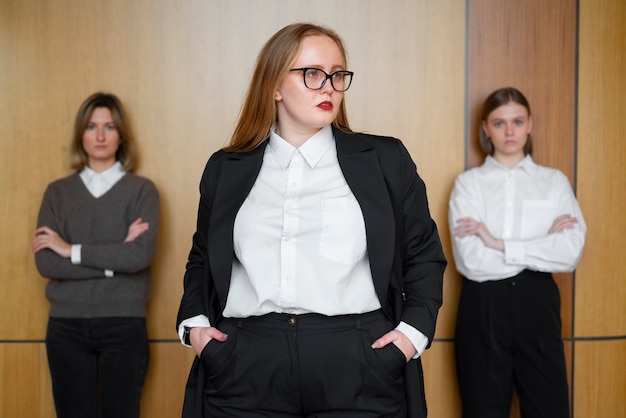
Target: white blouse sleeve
[(472, 258), (557, 252)]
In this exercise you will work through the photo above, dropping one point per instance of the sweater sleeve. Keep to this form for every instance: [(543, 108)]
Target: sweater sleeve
[(50, 264)]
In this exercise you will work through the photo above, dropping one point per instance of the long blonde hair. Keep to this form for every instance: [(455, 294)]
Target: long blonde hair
[(258, 112)]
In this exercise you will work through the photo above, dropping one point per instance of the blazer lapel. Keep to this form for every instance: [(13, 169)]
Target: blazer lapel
[(361, 168), (236, 178)]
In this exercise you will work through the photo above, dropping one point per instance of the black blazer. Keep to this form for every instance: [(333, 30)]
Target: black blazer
[(406, 258)]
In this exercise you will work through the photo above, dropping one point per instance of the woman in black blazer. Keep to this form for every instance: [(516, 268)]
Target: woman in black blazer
[(315, 276)]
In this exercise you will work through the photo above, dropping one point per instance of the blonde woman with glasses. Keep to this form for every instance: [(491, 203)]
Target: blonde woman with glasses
[(315, 276)]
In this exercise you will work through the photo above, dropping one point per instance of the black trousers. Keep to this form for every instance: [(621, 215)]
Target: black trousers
[(508, 337), (97, 365), (280, 366)]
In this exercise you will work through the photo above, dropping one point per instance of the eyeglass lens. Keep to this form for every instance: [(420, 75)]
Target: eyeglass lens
[(315, 79)]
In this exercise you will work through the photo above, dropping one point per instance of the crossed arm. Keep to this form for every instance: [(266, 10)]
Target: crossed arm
[(46, 237), (469, 226)]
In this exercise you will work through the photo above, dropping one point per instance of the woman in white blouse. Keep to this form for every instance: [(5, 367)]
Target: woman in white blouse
[(315, 276), (513, 223)]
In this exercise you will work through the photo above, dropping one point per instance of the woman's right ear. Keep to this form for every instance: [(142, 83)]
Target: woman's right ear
[(483, 126)]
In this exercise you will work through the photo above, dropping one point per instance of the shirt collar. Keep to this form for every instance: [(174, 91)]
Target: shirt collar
[(111, 175), (527, 164), (312, 150)]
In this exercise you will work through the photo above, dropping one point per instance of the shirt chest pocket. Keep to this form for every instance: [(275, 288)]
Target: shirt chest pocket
[(342, 237), (537, 218)]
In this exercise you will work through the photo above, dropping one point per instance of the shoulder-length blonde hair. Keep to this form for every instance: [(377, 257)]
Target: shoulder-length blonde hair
[(127, 151), (258, 112), (496, 99)]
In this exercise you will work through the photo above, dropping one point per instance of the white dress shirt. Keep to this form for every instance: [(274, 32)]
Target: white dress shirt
[(517, 205), (300, 241), (299, 237), (97, 184)]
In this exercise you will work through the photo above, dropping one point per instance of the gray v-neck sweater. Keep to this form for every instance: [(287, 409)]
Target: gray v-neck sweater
[(100, 225)]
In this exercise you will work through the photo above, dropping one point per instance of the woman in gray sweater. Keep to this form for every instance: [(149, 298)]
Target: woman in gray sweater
[(95, 240)]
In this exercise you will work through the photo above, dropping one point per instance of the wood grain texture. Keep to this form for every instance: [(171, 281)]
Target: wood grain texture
[(530, 45), (25, 388), (600, 290), (182, 68), (164, 391), (599, 379), (442, 393)]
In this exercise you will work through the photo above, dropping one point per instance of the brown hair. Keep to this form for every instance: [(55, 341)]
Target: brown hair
[(496, 99), (127, 151), (258, 112)]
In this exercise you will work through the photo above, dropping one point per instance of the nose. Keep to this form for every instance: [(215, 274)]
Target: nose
[(509, 129), (328, 86), (100, 134)]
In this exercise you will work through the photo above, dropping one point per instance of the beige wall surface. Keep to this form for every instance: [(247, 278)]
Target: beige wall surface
[(182, 69), (182, 66)]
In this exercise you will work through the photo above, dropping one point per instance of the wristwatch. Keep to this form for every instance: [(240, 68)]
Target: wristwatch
[(187, 335)]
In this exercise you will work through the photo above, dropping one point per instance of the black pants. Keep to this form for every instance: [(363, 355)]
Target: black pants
[(281, 366), (508, 336), (97, 366)]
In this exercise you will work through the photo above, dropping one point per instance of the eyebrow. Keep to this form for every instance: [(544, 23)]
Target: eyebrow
[(321, 67), (512, 118)]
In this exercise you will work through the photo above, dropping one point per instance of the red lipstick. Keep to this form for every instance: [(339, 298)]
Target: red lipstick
[(327, 105)]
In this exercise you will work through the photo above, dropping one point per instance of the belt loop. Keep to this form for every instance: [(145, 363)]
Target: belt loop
[(357, 322)]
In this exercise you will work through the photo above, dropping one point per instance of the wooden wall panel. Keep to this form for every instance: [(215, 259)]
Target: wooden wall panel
[(182, 68), (530, 45), (164, 390), (600, 290), (577, 103), (25, 388), (600, 381), (442, 392), (600, 321), (183, 110)]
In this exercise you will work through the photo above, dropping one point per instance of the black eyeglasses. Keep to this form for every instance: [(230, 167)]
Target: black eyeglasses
[(314, 78)]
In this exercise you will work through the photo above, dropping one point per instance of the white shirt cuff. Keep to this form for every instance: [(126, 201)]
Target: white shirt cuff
[(419, 340), (108, 273), (514, 253), (75, 254), (196, 321)]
